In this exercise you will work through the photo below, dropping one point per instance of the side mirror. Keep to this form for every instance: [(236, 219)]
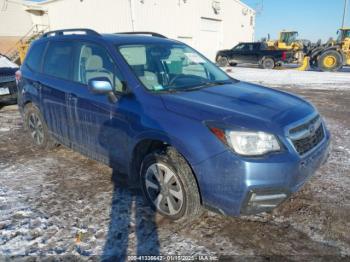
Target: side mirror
[(100, 85)]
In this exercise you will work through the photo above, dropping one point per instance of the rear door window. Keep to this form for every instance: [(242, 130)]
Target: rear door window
[(34, 57), (249, 48), (58, 59)]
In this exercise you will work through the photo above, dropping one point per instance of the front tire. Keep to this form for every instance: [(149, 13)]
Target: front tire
[(35, 125), (330, 61), (169, 185)]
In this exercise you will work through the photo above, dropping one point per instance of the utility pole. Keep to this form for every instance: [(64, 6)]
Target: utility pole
[(344, 14)]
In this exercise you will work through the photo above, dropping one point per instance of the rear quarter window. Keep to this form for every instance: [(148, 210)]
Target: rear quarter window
[(34, 56)]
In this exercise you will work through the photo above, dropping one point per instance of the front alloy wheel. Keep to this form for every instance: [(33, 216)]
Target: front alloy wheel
[(169, 185), (164, 189)]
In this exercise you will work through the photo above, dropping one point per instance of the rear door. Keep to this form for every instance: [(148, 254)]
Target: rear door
[(256, 53), (237, 53), (55, 84)]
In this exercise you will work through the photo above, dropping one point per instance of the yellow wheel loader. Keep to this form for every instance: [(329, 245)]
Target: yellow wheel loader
[(332, 56), (287, 40)]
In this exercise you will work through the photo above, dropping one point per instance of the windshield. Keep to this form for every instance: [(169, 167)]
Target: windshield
[(171, 67), (343, 34), (289, 37)]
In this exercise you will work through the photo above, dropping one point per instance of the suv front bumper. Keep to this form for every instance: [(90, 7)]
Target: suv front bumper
[(237, 186)]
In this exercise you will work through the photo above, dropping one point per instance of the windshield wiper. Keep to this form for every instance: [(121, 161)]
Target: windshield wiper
[(196, 87), (207, 84)]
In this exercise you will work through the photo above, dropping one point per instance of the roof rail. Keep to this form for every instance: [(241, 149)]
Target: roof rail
[(143, 33), (61, 32)]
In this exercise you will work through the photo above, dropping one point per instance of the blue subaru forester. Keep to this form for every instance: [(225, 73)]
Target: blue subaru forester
[(183, 130)]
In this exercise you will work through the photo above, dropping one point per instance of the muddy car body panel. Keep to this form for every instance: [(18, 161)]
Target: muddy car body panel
[(198, 122)]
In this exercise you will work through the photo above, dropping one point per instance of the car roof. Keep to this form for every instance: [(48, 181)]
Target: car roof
[(116, 39), (121, 39)]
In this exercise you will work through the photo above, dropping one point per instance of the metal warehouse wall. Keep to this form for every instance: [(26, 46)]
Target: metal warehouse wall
[(14, 21), (207, 25)]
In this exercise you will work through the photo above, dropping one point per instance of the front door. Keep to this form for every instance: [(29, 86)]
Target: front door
[(101, 124)]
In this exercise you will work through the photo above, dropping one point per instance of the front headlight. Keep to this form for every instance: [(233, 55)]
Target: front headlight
[(248, 143)]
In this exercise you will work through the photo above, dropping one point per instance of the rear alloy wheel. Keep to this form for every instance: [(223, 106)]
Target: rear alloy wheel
[(268, 63), (35, 125), (223, 61), (169, 185), (330, 61)]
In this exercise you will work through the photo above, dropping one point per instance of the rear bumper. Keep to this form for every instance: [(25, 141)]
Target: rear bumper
[(235, 186)]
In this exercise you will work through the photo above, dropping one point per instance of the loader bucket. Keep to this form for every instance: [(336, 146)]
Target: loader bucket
[(305, 65)]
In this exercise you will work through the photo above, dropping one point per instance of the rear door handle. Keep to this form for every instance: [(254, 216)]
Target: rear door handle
[(73, 101), (72, 97)]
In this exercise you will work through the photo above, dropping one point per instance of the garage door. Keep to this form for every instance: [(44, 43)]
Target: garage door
[(209, 38)]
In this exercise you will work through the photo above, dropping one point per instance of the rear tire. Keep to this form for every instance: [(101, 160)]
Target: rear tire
[(268, 63), (169, 185), (36, 127), (330, 61), (222, 61)]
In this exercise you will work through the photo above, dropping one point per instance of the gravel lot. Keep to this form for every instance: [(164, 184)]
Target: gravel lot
[(61, 203)]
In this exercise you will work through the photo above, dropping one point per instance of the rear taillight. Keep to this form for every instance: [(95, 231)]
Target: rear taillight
[(284, 56), (18, 76)]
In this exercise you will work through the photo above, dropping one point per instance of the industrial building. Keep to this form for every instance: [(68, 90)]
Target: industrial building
[(15, 23), (207, 25)]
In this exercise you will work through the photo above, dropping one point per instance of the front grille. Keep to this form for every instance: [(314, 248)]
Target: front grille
[(307, 136)]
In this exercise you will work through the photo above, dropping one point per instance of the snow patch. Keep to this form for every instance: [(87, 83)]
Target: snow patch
[(292, 78)]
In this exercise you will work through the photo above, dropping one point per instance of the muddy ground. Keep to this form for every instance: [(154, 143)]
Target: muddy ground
[(60, 204)]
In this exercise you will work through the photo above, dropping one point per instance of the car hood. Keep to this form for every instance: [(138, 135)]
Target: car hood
[(239, 103)]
